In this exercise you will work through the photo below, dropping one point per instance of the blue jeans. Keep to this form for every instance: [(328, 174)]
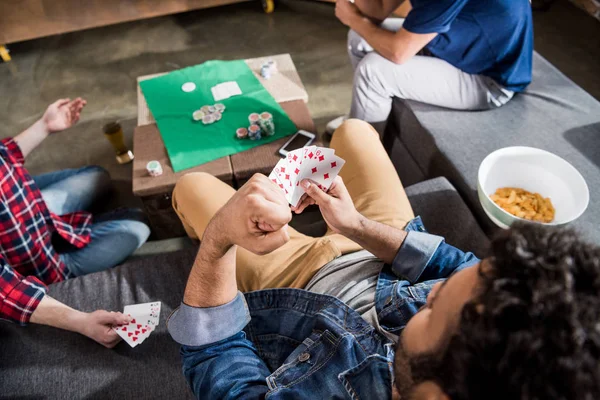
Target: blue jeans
[(115, 235)]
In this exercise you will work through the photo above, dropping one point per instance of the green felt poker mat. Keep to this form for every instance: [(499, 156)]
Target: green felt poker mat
[(190, 143)]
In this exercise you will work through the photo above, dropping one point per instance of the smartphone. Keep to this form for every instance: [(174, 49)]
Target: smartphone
[(299, 140)]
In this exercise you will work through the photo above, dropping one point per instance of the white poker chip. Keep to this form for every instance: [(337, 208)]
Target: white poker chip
[(188, 87), (197, 115), (217, 116), (220, 107)]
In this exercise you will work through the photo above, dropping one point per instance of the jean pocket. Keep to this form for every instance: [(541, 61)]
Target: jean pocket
[(371, 379), (310, 356)]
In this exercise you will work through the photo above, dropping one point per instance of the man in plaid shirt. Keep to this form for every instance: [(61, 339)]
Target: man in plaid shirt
[(48, 235)]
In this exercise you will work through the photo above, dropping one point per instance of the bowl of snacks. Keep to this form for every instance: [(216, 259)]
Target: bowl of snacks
[(525, 183)]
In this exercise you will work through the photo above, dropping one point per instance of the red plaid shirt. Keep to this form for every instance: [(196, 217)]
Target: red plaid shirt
[(28, 261)]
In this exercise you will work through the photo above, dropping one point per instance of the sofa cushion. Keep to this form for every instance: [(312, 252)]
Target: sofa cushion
[(445, 213), (43, 362), (553, 114)]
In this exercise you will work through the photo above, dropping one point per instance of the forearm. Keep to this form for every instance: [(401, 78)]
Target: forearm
[(382, 240), (51, 312), (377, 10), (398, 47), (212, 281), (31, 137)]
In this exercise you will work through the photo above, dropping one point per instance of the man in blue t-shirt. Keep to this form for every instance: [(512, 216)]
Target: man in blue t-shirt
[(459, 54)]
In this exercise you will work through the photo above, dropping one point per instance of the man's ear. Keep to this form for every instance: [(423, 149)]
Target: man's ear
[(428, 391)]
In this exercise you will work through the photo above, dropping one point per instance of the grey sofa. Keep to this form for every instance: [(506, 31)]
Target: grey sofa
[(553, 114), (38, 362)]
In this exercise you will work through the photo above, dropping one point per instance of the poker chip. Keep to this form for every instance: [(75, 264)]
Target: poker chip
[(217, 116), (211, 109), (273, 66), (188, 87), (241, 133), (265, 72), (154, 168), (205, 110), (197, 115), (266, 123), (253, 131), (208, 119), (220, 107), (253, 118)]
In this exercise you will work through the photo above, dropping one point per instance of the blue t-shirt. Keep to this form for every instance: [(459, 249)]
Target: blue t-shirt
[(484, 37)]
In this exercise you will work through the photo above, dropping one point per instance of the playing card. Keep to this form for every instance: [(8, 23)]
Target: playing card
[(286, 173), (323, 169), (225, 90), (133, 333), (145, 318), (274, 178), (319, 164)]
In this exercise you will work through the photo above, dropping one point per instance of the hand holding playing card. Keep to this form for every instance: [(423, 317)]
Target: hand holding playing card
[(318, 164), (336, 205), (143, 319), (98, 326)]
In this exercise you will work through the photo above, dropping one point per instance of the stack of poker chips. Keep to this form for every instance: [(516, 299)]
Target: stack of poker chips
[(269, 68), (209, 114), (260, 125), (154, 168), (265, 121)]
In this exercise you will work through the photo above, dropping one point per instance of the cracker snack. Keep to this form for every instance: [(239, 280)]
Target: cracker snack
[(524, 204)]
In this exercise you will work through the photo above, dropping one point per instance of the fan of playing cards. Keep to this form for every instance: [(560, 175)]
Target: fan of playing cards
[(144, 320), (318, 164)]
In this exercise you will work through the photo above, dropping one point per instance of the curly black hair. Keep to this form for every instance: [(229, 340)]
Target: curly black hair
[(533, 329)]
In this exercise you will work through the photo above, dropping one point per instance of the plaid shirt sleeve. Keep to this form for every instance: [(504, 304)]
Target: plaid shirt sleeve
[(19, 296), (14, 150)]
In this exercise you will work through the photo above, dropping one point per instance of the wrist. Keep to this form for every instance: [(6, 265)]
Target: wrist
[(358, 22), (356, 224), (42, 128), (215, 242), (76, 321)]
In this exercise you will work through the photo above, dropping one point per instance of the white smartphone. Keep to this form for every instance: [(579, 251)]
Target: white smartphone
[(299, 140)]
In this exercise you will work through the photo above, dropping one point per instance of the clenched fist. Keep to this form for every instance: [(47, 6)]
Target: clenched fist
[(255, 218)]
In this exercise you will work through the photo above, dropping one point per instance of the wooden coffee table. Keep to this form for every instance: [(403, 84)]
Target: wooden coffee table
[(155, 192)]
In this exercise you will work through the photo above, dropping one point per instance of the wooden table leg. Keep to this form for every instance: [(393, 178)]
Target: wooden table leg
[(4, 54)]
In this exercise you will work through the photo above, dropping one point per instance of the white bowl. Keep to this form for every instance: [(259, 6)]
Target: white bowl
[(534, 170)]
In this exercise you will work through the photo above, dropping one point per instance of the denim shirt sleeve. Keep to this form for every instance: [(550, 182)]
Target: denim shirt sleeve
[(195, 326), (213, 342), (423, 257)]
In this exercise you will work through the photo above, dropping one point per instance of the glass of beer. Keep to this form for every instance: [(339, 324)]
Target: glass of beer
[(114, 134)]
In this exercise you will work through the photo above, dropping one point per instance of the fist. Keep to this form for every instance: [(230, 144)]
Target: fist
[(255, 218), (346, 12)]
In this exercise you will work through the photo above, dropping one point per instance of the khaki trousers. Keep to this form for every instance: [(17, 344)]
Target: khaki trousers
[(372, 183)]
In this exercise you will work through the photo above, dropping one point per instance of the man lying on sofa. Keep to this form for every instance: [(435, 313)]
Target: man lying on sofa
[(519, 324)]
